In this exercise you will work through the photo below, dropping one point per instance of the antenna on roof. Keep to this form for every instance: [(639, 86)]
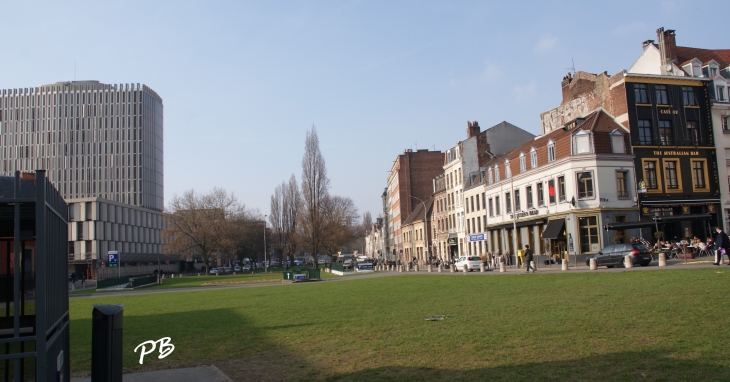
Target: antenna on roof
[(572, 67)]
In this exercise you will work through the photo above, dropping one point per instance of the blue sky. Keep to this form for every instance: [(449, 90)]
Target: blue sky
[(243, 81)]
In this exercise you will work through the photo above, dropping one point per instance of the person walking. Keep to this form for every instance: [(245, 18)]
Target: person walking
[(722, 245), (527, 258)]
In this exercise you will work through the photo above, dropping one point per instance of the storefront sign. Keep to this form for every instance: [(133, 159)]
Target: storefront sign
[(676, 153), (524, 214), (479, 237), (452, 241), (669, 111)]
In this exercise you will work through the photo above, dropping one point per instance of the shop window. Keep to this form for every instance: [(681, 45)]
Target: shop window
[(588, 234)]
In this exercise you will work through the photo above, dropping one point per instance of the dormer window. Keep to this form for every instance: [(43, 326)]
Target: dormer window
[(507, 170), (582, 142), (489, 174), (720, 93), (523, 165), (551, 150), (533, 157), (496, 173), (713, 72), (618, 144)]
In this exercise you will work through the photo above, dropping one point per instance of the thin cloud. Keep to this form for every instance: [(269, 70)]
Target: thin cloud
[(525, 92), (629, 28), (546, 44)]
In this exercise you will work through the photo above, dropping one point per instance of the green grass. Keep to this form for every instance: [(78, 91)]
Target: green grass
[(651, 325)]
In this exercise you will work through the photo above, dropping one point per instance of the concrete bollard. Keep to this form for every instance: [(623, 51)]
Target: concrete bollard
[(440, 268), (465, 268), (430, 268), (501, 267), (415, 268), (627, 262), (400, 268), (564, 265), (198, 273), (592, 263), (173, 275), (481, 268), (662, 260), (452, 268)]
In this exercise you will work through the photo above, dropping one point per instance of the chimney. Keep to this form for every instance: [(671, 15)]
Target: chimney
[(565, 84), (667, 48), (472, 129), (646, 43)]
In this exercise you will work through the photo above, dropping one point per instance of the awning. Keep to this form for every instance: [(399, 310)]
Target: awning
[(554, 229), (674, 202), (675, 218), (520, 223), (629, 225)]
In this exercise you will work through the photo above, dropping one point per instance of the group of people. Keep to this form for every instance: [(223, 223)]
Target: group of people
[(719, 245)]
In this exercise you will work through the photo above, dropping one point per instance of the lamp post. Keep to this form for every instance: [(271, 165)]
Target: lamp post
[(425, 226), (266, 266)]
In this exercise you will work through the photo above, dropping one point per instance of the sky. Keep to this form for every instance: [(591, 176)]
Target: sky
[(242, 82)]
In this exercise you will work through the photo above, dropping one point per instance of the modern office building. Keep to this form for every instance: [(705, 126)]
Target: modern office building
[(101, 146)]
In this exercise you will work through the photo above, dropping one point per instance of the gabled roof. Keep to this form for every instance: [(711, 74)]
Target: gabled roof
[(686, 54), (417, 214), (599, 121)]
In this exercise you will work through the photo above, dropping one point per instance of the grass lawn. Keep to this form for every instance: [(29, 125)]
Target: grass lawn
[(650, 326)]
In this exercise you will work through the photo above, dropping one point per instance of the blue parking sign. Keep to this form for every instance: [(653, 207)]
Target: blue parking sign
[(113, 258)]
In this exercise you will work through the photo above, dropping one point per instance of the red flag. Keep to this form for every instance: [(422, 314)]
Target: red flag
[(551, 191)]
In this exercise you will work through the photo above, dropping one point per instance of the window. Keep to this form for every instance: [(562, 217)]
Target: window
[(523, 165), (665, 132), (720, 93), (650, 174), (670, 174), (491, 209), (518, 205), (477, 202), (688, 96), (582, 143), (496, 205), (489, 174), (585, 185), (551, 191), (533, 157), (618, 144), (561, 186), (693, 133), (621, 184), (661, 94), (699, 174), (496, 173), (472, 204), (588, 234), (507, 202), (645, 132), (725, 123), (551, 151), (507, 170), (640, 93), (713, 72), (528, 193), (540, 195)]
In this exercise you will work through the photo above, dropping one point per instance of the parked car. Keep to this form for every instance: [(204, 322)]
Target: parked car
[(227, 270), (215, 271), (299, 262), (246, 267), (472, 263), (614, 255), (237, 268)]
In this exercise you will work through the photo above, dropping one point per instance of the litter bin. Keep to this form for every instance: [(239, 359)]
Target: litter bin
[(521, 253), (313, 273), (288, 275), (106, 343)]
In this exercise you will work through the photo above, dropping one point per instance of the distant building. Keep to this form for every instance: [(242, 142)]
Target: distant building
[(102, 148)]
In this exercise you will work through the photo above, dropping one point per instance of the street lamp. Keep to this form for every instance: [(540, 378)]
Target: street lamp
[(425, 226), (266, 266)]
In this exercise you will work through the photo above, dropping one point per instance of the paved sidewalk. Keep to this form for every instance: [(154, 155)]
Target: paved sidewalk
[(190, 374)]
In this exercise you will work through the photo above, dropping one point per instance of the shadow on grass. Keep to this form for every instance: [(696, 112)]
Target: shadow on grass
[(625, 366)]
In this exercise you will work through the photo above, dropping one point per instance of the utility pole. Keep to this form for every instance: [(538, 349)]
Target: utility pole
[(514, 216), (266, 266)]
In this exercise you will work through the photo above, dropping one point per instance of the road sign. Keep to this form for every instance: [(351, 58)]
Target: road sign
[(113, 258)]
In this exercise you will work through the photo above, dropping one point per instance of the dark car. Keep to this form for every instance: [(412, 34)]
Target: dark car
[(614, 255)]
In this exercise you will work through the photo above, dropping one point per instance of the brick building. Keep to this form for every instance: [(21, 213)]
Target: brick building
[(410, 179), (668, 112)]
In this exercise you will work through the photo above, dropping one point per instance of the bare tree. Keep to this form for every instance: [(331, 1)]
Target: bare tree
[(291, 204), (276, 218), (315, 191), (342, 223), (201, 224), (367, 221)]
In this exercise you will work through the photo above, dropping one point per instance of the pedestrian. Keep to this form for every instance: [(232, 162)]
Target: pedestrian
[(527, 257), (74, 278), (722, 245), (83, 279)]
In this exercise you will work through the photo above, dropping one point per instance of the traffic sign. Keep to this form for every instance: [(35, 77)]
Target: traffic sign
[(113, 258)]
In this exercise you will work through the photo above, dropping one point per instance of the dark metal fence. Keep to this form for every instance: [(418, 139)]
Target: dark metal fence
[(34, 336)]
